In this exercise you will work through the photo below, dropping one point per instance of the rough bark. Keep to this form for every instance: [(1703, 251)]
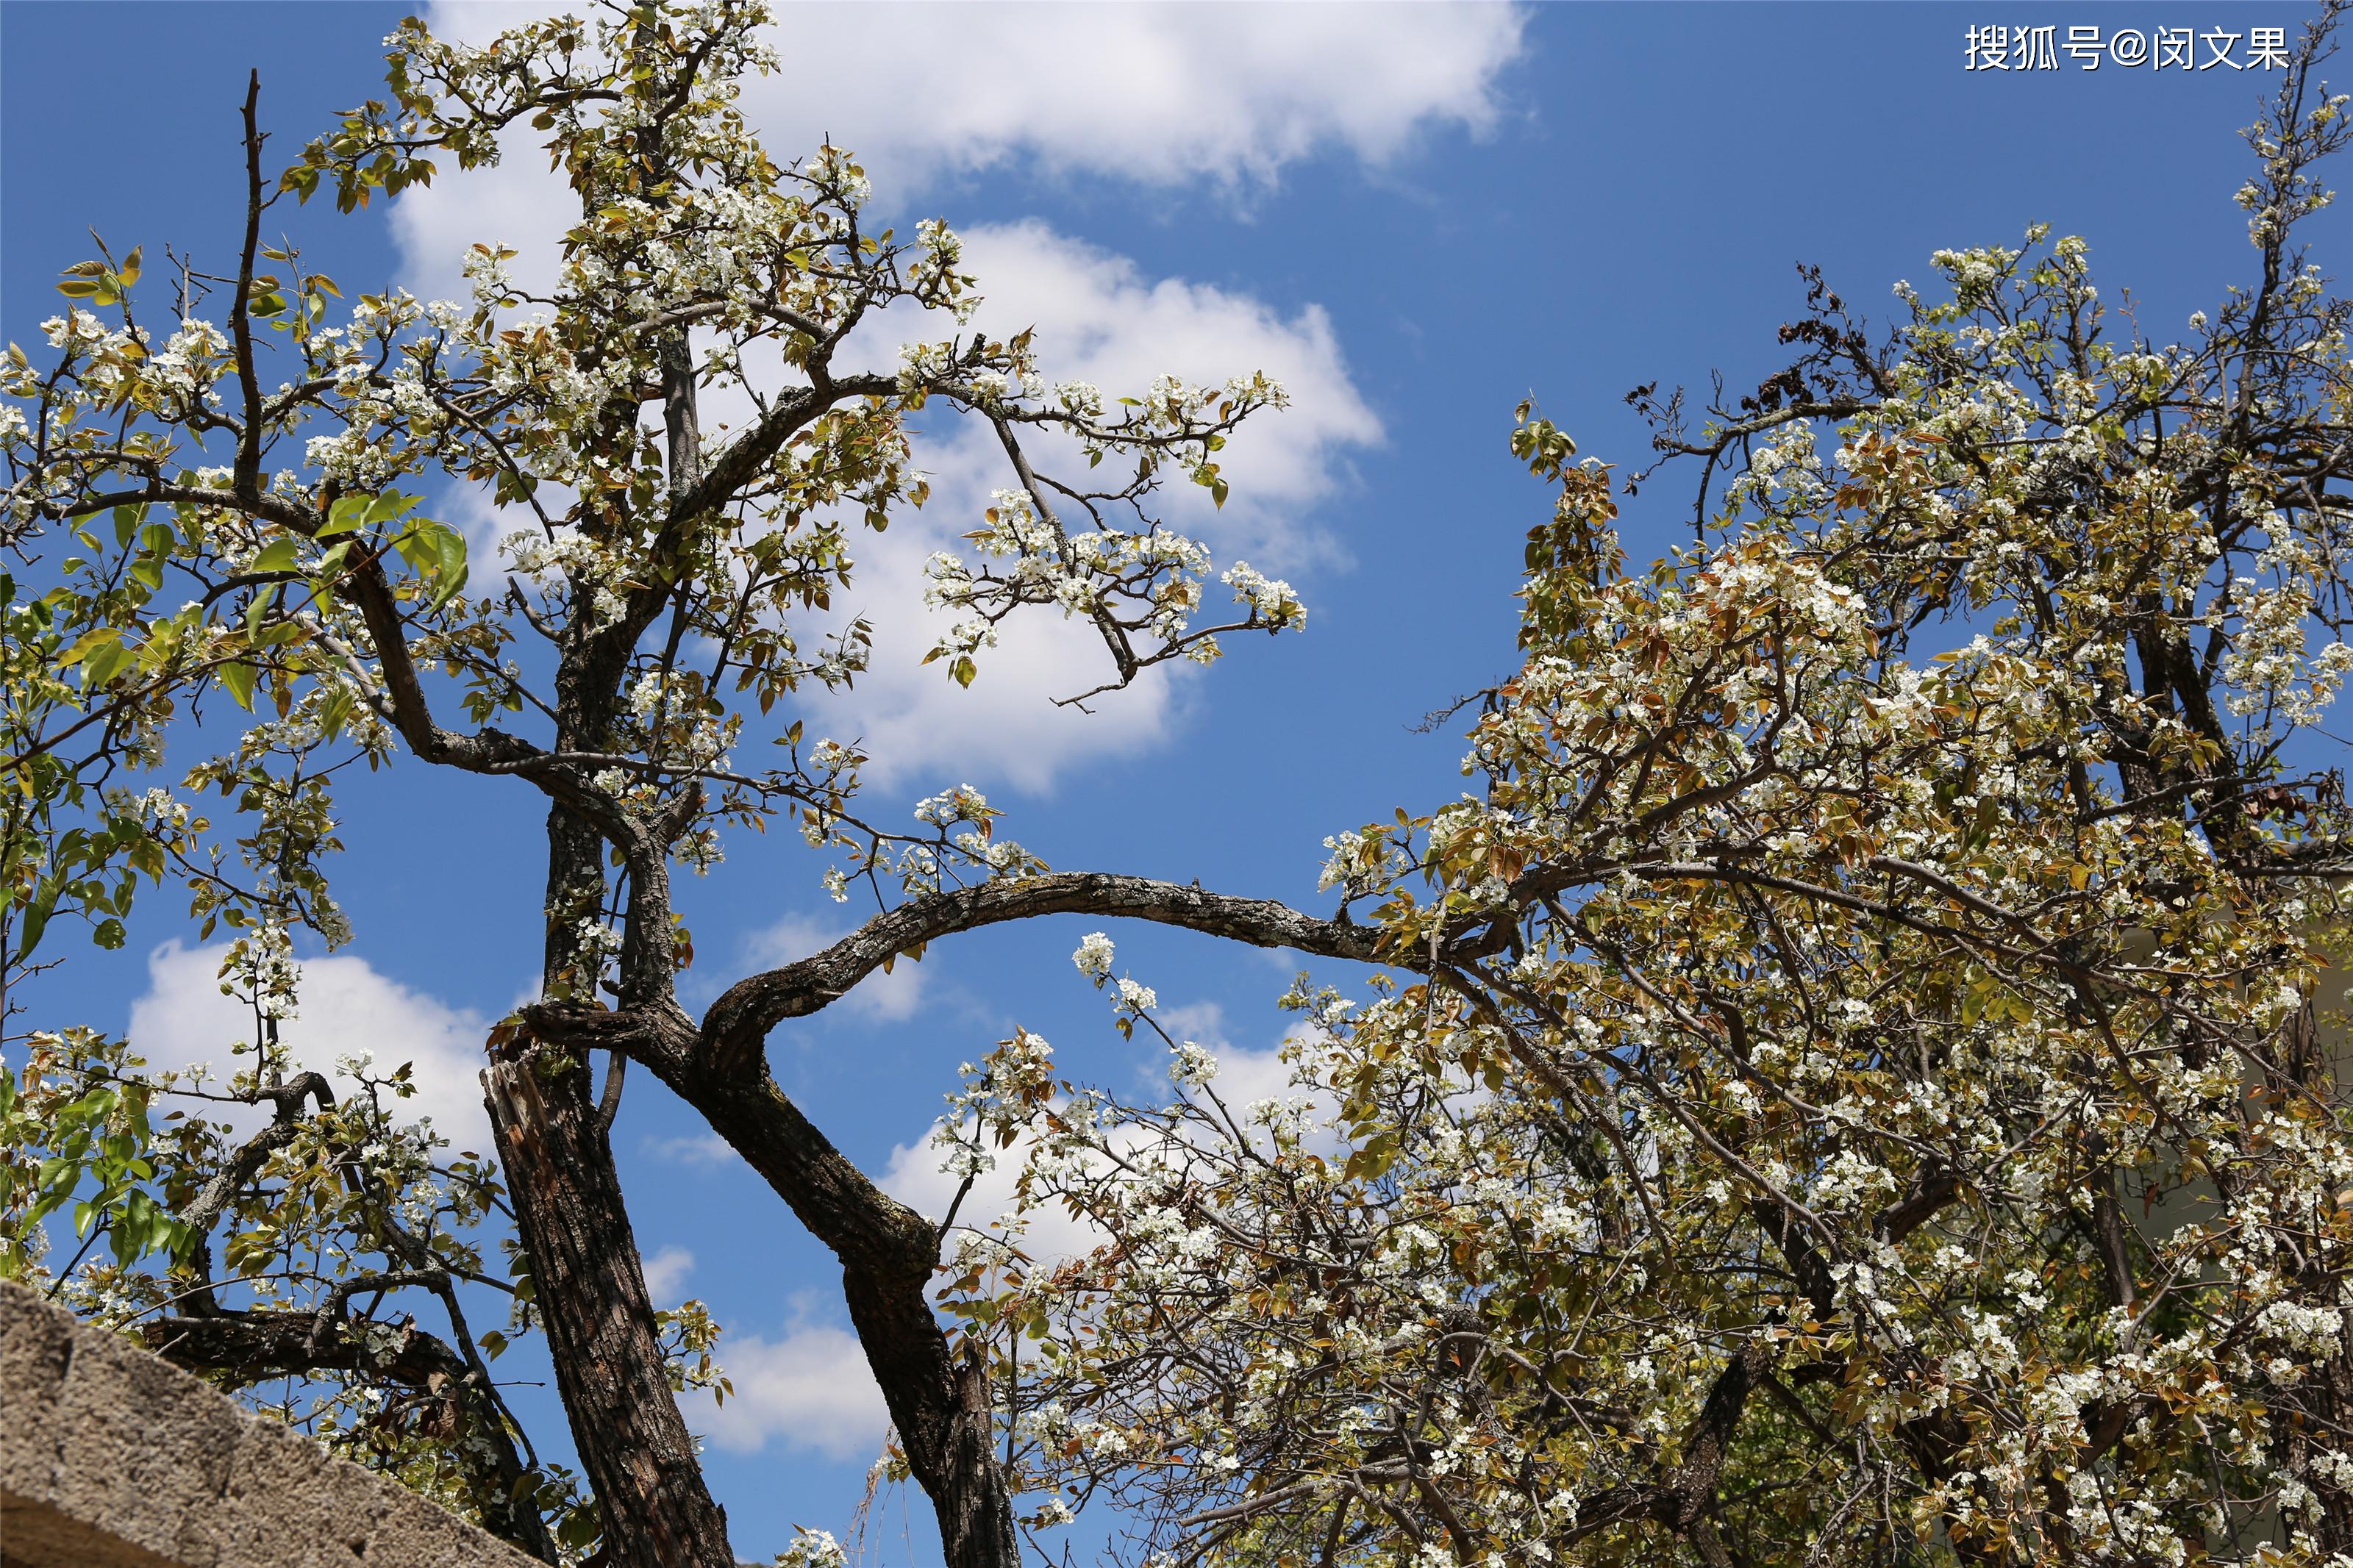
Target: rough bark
[(633, 1444), (738, 1024), (939, 1398)]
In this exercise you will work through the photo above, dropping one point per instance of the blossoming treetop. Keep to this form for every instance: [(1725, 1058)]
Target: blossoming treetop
[(208, 470), (1872, 1085)]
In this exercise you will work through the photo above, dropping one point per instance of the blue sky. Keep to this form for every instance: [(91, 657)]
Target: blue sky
[(1429, 213)]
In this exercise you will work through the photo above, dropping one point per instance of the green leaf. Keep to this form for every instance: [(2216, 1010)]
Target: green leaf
[(135, 1227), (389, 506), (451, 547), (438, 554), (89, 643), (259, 610), (37, 917), (237, 680), (334, 711), (278, 555), (349, 513), (103, 664)]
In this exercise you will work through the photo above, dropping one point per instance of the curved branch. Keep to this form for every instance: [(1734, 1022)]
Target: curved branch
[(740, 1020)]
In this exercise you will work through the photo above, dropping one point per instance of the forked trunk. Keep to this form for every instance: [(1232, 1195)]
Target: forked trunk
[(939, 1400), (940, 1403)]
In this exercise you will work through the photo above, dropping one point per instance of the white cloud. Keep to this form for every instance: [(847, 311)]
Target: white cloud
[(1244, 1076), (665, 1273), (809, 1386), (346, 1008), (1204, 1022), (691, 1149), (1157, 95), (1098, 318), (891, 998), (1143, 93), (915, 1177)]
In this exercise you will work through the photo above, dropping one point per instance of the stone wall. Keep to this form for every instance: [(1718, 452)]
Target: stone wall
[(111, 1458)]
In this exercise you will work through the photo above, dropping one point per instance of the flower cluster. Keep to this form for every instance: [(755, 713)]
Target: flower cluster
[(1819, 1040)]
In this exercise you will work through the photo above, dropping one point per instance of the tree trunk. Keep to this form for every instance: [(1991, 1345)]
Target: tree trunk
[(633, 1444), (939, 1400)]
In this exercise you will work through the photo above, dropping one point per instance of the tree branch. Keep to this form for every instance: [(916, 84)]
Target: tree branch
[(740, 1020)]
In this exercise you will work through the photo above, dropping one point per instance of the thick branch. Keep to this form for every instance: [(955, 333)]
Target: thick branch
[(737, 1024), (246, 474)]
